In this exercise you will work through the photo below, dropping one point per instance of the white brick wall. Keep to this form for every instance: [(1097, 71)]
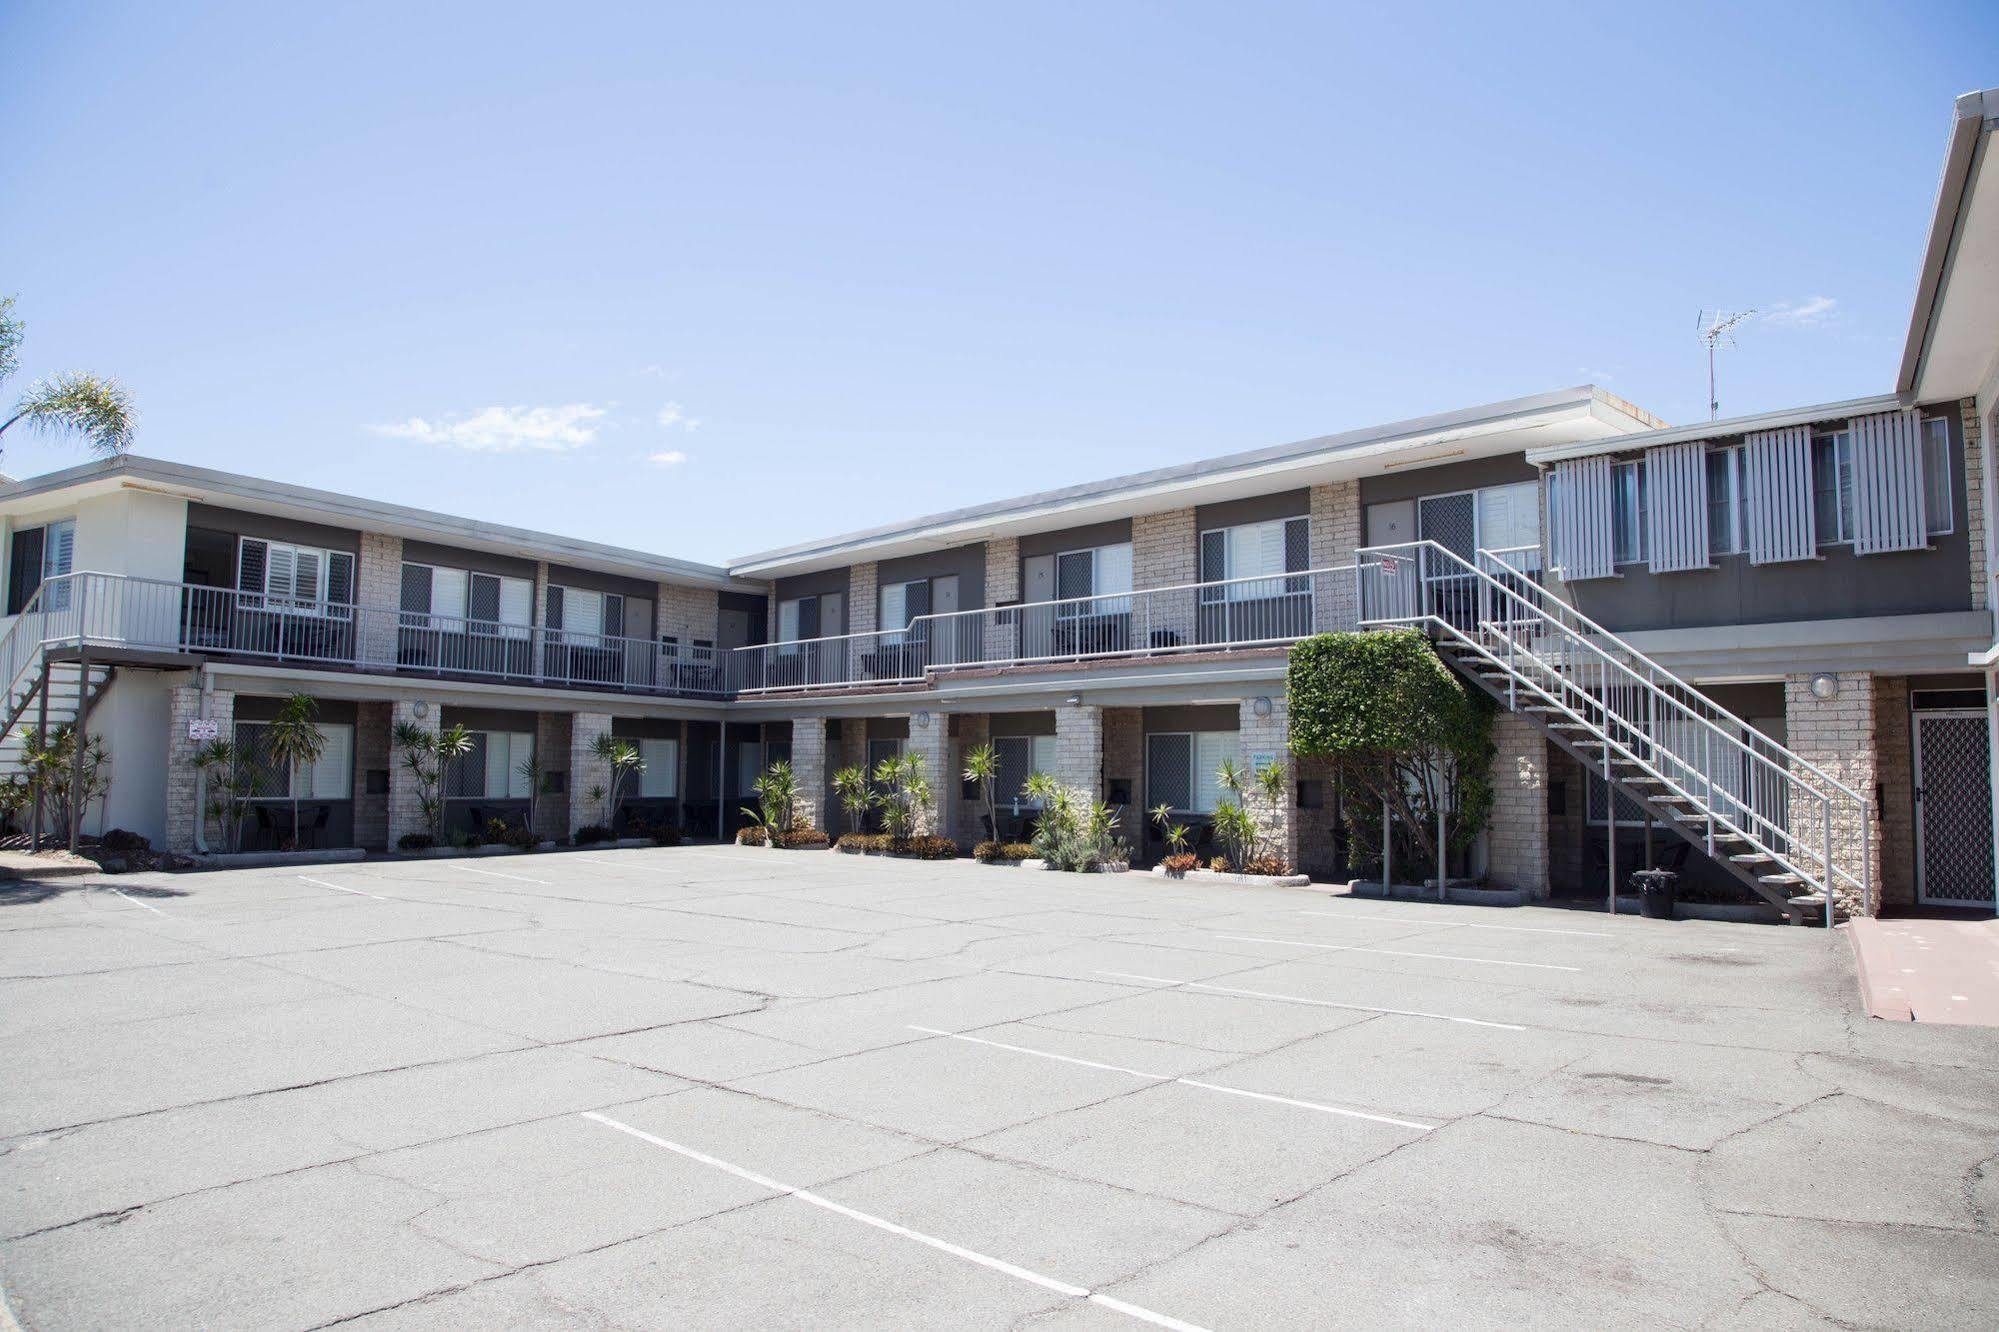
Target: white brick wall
[(182, 810), (1079, 749), (1974, 495), (1270, 736), (379, 583), (1164, 554), (808, 767), (933, 743), (688, 613), (1336, 534), (1838, 735), (1517, 836), (586, 770), (1002, 584), (405, 807)]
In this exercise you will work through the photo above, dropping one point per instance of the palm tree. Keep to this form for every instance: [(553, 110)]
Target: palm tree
[(624, 760), (429, 755), (72, 402), (982, 765), (295, 740), (856, 794), (229, 784)]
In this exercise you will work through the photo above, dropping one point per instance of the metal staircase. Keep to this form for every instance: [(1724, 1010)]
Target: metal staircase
[(1779, 824), (43, 684)]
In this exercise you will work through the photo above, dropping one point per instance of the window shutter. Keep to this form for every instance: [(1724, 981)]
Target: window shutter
[(1169, 763), (340, 578), (516, 604), (333, 773), (1778, 505), (281, 573), (416, 589), (1579, 494), (499, 764), (60, 557), (448, 595), (1888, 505), (483, 605), (1676, 492), (252, 563), (895, 605), (1210, 748)]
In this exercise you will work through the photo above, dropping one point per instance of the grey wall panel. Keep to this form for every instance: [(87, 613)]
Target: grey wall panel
[(1112, 533), (478, 561), (265, 527), (1443, 479), (1256, 509)]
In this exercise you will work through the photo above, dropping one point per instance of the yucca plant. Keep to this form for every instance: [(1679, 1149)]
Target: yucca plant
[(227, 783), (776, 810), (856, 795), (904, 790), (429, 756), (982, 765), (90, 407), (294, 739), (624, 761)]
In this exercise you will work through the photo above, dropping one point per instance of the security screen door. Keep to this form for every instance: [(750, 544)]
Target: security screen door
[(1452, 522), (1953, 809)]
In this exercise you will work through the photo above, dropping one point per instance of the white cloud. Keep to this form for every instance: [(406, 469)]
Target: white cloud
[(504, 429), (669, 458), (1812, 313), (673, 414)]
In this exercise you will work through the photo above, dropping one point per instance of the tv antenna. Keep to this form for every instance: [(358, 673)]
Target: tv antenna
[(1717, 328)]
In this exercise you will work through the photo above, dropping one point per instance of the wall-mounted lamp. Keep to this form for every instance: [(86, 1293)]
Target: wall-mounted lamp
[(1825, 686), (421, 709), (1074, 700), (1261, 707), (922, 720)]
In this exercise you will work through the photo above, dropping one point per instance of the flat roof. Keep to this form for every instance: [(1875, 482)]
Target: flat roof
[(1563, 416), (1734, 425), (132, 471)]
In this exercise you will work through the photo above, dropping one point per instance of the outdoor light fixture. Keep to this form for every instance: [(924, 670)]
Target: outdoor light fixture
[(1074, 700), (1825, 686), (922, 720), (1261, 707), (422, 709)]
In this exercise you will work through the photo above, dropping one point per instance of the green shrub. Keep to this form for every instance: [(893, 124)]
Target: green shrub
[(750, 836), (923, 848), (989, 852), (855, 843), (416, 841), (123, 839)]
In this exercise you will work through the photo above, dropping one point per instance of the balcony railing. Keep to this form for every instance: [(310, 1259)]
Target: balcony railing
[(1148, 622), (112, 611)]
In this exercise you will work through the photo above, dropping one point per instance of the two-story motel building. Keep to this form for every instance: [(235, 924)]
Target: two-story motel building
[(1768, 641)]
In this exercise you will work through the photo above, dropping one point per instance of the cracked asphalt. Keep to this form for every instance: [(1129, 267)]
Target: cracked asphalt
[(716, 1087)]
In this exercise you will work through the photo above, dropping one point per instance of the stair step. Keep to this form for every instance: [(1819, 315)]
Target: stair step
[(1753, 858), (1779, 878)]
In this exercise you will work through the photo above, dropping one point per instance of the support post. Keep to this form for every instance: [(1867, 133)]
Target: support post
[(722, 781), (1387, 848), (1610, 836), (41, 743), (1443, 847), (1992, 753), (77, 740)]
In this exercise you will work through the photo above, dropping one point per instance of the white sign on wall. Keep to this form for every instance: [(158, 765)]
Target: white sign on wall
[(203, 728)]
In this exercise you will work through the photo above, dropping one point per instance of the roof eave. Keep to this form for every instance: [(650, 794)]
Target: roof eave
[(1968, 119)]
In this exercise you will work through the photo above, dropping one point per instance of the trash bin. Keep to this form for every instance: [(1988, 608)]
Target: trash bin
[(1655, 892)]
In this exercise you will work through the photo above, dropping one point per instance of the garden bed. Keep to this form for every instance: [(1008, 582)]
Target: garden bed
[(332, 855), (1459, 892), (1246, 880)]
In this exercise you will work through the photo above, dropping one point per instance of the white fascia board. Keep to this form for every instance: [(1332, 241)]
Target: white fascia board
[(1569, 414), (204, 485), (1972, 118), (1738, 425)]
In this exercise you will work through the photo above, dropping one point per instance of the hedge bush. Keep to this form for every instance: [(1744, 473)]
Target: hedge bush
[(913, 848), (988, 852)]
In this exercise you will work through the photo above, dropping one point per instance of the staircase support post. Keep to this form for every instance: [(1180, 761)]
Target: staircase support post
[(1610, 836), (1387, 848), (77, 738), (41, 743), (1443, 847)]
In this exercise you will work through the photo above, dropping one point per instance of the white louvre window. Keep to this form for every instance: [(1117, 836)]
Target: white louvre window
[(1627, 513), (1182, 769), (1887, 483), (293, 577), (582, 616), (1579, 506), (1210, 748), (1938, 507), (1777, 495), (1724, 502), (331, 775), (1255, 551), (1832, 488), (895, 605), (516, 606), (1509, 517), (661, 778), (450, 598), (1676, 503), (787, 621), (58, 559)]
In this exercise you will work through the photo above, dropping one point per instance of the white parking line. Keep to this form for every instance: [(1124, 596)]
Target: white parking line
[(1315, 1003), (942, 1246), (1397, 952), (321, 883), (1461, 925), (137, 903), (1185, 1082), (517, 878)]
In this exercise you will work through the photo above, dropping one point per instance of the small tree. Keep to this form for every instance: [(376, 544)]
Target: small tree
[(905, 790), (65, 784), (429, 756), (776, 810), (294, 739), (856, 796), (623, 759), (531, 771), (227, 784), (1401, 731), (97, 409), (1250, 821), (1174, 833), (982, 765)]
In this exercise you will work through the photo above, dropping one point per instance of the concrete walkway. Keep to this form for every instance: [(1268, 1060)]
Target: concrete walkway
[(1921, 970)]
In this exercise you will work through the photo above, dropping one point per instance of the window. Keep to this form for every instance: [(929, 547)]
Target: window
[(803, 618), (302, 580), (1938, 510), (457, 601), (661, 778), (1509, 519), (1832, 487), (1020, 756), (901, 603), (585, 617), (1724, 502), (1255, 551), (330, 777), (1091, 580), (494, 768), (39, 554), (1627, 513), (1181, 768)]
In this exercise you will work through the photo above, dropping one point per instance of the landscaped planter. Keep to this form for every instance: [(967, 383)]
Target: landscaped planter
[(1457, 892), (454, 852), (1247, 880), (253, 859)]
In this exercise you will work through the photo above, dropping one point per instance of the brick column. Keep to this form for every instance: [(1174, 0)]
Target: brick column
[(586, 770), (1838, 735), (1336, 534), (1164, 554), (1517, 843), (551, 746), (378, 589), (808, 766), (1124, 759), (1894, 768), (540, 618), (183, 807), (1002, 584), (405, 807), (1079, 749), (371, 754), (933, 743), (863, 605), (1270, 737)]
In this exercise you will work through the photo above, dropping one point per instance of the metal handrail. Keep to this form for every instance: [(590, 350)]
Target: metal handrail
[(1795, 853)]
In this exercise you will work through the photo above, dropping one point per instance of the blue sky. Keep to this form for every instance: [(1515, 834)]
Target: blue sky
[(706, 279)]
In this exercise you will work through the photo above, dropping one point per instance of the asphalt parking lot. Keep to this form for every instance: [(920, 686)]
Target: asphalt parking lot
[(712, 1087)]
